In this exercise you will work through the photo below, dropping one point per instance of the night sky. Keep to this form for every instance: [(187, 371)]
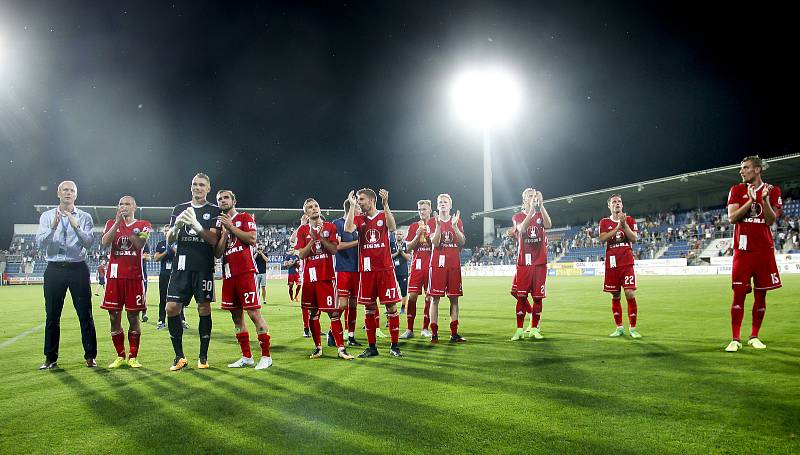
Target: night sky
[(282, 101)]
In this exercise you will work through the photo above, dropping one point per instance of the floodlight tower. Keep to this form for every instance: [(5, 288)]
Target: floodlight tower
[(487, 99)]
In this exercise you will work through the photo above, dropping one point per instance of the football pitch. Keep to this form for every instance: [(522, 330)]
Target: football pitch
[(576, 391)]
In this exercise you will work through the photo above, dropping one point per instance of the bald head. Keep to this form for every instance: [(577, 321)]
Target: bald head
[(67, 193)]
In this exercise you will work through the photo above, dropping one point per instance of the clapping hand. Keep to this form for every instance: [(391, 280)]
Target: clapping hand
[(384, 194)]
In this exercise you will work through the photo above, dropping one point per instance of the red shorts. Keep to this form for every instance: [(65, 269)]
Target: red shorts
[(418, 280), (530, 279), (761, 267), (444, 281), (378, 285), (347, 284), (124, 294), (319, 295), (622, 277), (293, 278), (239, 291)]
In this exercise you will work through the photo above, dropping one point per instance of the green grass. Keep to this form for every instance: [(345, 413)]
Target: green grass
[(577, 391)]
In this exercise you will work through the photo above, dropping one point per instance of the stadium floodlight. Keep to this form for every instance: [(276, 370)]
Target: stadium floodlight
[(486, 98)]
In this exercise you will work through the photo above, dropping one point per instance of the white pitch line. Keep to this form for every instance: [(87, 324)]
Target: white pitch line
[(22, 335)]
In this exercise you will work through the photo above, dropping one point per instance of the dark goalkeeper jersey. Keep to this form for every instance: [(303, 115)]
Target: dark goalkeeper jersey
[(193, 252)]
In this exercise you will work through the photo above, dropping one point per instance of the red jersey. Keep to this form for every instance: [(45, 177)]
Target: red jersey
[(125, 260), (618, 249), (238, 257), (447, 254), (373, 243), (318, 265), (752, 233), (533, 242), (423, 250)]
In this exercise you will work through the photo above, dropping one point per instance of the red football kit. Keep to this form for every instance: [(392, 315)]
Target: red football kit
[(378, 281), (319, 274), (445, 269), (239, 268), (753, 245), (421, 259), (619, 257), (531, 272), (125, 286)]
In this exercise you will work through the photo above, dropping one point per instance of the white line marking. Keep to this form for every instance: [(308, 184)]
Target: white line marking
[(22, 335)]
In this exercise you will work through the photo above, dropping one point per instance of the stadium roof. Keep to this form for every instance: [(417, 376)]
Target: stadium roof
[(704, 189), (161, 215)]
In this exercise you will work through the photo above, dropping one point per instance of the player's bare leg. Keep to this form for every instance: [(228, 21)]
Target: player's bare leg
[(369, 322), (117, 337), (134, 335), (454, 336), (633, 309), (616, 310), (394, 329), (204, 331), (433, 314), (175, 326), (263, 338), (264, 295)]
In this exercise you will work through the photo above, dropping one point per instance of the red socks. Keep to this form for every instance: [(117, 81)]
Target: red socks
[(263, 341), (521, 310), (369, 322), (133, 340), (411, 313), (426, 319), (336, 328), (536, 313), (454, 327), (435, 329), (394, 326), (119, 343), (315, 330), (737, 313), (616, 310), (305, 318), (244, 343), (351, 320), (759, 308), (632, 310)]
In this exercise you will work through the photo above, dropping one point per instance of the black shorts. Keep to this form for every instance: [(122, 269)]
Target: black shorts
[(185, 284), (402, 281)]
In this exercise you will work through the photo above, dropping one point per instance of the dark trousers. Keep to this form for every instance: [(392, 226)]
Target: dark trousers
[(58, 277), (163, 284)]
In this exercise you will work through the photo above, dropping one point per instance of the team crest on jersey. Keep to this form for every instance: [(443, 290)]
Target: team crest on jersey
[(206, 216), (373, 236), (326, 234), (380, 223), (447, 237), (124, 243), (538, 221), (136, 231), (755, 210), (237, 224)]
